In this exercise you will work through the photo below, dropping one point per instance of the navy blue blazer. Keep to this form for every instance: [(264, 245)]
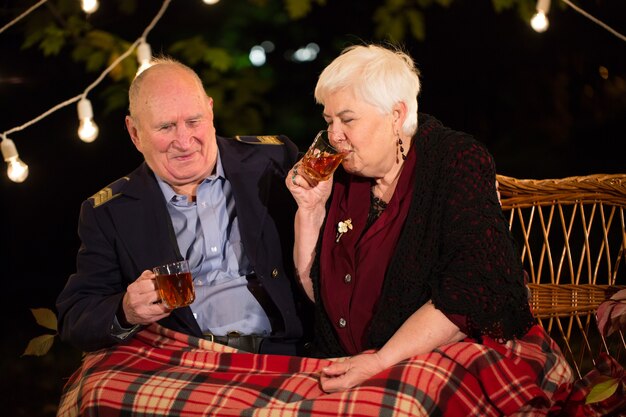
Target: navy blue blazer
[(126, 229)]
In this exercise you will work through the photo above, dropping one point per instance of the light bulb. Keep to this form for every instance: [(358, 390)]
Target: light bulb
[(87, 129), (17, 170), (539, 22), (144, 56), (210, 1), (89, 6)]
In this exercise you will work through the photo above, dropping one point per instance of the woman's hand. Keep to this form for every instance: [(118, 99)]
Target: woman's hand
[(308, 193), (349, 372), (424, 331)]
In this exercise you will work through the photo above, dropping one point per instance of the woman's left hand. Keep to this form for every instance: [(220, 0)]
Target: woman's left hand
[(351, 371)]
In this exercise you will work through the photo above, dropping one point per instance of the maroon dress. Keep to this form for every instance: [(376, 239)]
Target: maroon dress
[(354, 265)]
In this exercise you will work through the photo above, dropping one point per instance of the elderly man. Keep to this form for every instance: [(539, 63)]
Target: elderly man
[(220, 203)]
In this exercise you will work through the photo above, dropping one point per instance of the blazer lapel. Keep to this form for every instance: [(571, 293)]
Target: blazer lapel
[(146, 232), (143, 223), (246, 175)]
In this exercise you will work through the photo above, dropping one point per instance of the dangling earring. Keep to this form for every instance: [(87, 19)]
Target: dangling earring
[(399, 149)]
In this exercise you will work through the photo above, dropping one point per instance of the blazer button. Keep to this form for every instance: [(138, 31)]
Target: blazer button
[(347, 278), (275, 273), (342, 322)]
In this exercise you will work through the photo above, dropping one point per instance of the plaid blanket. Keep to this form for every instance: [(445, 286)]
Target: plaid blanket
[(164, 373)]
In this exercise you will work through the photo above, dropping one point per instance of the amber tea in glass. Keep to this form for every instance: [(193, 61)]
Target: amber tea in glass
[(321, 159), (175, 284)]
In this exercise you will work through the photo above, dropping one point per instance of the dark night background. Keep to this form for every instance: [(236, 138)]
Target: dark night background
[(541, 102)]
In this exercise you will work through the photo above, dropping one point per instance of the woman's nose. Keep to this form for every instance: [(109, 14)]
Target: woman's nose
[(335, 136), (336, 133)]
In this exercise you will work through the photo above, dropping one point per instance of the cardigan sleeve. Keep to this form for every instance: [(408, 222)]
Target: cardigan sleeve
[(479, 274)]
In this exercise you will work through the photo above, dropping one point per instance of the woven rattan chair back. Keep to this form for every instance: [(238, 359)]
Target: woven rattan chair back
[(572, 242)]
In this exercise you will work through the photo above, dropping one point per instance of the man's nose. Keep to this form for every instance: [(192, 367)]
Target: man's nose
[(184, 137)]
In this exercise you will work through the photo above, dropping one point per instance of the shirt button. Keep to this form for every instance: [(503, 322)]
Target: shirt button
[(347, 278), (214, 249), (203, 204), (342, 322), (275, 273)]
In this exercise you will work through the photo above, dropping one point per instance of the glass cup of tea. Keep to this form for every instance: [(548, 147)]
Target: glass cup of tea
[(322, 158), (175, 285)]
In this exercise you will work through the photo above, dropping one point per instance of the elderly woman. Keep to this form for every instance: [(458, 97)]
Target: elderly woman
[(406, 249)]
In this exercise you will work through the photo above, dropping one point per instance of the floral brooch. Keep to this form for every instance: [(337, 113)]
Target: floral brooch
[(343, 227)]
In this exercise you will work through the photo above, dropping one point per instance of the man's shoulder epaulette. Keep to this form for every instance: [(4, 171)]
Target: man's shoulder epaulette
[(260, 140), (108, 193)]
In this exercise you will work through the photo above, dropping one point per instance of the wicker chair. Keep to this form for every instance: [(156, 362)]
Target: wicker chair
[(573, 242)]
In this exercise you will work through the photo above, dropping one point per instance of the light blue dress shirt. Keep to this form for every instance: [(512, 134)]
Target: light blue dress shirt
[(208, 236)]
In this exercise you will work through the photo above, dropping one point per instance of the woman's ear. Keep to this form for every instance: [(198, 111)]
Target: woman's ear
[(399, 115)]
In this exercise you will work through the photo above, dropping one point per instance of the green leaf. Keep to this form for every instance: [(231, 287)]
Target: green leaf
[(101, 40), (444, 3), (65, 7), (602, 391), (32, 39), (45, 317), (191, 50), (53, 41), (76, 26), (417, 24), (297, 8), (95, 61), (115, 97), (399, 4), (383, 19), (500, 5), (218, 58), (39, 345), (127, 7), (117, 72)]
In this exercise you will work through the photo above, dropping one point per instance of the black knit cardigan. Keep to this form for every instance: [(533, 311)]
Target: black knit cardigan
[(455, 248)]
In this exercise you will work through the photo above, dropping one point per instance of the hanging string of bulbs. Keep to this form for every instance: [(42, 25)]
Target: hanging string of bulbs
[(540, 23), (17, 170)]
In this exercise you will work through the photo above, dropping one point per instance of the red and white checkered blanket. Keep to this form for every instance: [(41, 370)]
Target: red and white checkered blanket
[(164, 373)]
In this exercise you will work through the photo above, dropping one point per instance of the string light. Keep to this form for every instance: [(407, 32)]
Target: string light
[(594, 20), (89, 6), (23, 171), (539, 21), (144, 56), (20, 170), (87, 128), (23, 15), (17, 170)]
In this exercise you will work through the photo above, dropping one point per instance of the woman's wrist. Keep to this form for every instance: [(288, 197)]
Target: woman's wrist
[(311, 216)]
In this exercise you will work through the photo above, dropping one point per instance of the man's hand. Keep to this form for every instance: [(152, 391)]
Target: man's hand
[(141, 303)]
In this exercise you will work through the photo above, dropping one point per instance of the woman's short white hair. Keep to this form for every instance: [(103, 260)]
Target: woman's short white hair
[(378, 75)]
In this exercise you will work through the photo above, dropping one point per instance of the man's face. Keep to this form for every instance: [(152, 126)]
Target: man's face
[(172, 126)]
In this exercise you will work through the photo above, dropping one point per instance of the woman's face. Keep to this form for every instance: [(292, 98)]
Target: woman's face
[(366, 132)]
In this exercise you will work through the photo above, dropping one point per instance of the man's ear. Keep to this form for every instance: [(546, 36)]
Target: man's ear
[(132, 131)]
